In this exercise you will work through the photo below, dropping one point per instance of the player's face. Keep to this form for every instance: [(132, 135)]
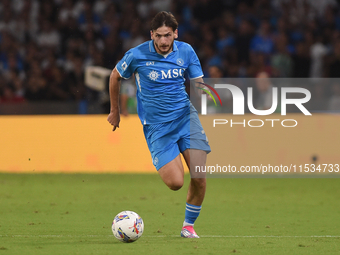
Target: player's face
[(163, 38)]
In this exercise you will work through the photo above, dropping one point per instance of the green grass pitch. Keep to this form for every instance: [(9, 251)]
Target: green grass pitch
[(72, 214)]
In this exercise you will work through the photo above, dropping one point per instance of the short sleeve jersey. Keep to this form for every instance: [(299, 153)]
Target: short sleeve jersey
[(161, 95)]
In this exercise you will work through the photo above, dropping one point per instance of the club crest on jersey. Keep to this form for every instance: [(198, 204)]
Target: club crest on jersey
[(180, 62), (153, 75)]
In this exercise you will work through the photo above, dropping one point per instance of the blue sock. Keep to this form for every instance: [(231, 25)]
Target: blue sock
[(191, 214)]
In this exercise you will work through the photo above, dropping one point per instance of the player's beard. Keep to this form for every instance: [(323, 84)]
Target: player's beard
[(166, 51)]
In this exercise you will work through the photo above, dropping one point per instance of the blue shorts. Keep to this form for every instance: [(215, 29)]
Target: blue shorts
[(167, 140)]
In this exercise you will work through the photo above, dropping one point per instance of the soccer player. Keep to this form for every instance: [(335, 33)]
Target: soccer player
[(170, 122)]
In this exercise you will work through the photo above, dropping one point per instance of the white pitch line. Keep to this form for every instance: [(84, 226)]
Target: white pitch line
[(162, 236)]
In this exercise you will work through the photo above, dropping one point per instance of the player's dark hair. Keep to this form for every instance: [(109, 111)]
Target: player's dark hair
[(164, 19)]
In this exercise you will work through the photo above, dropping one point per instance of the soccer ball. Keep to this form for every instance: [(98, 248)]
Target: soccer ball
[(127, 226)]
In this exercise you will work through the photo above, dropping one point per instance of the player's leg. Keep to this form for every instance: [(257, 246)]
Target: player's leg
[(172, 173), (196, 191), (197, 184), (162, 142), (194, 147)]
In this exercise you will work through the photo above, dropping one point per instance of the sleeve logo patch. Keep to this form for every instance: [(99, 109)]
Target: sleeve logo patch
[(124, 66)]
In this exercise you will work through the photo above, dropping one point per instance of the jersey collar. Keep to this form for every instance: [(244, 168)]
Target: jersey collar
[(152, 47)]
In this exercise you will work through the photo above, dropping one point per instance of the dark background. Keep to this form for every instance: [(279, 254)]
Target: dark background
[(45, 45)]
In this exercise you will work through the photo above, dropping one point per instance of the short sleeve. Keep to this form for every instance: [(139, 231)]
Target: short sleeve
[(125, 66), (194, 68)]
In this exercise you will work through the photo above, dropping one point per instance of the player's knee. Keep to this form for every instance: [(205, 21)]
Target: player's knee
[(199, 182), (175, 185)]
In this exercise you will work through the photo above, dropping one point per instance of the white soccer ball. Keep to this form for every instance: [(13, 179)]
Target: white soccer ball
[(127, 226)]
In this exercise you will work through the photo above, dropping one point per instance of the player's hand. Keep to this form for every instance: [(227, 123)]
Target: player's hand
[(210, 98), (114, 119), (199, 85), (200, 92)]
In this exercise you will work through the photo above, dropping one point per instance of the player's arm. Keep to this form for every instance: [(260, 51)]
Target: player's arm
[(195, 71), (199, 81), (114, 87), (124, 69)]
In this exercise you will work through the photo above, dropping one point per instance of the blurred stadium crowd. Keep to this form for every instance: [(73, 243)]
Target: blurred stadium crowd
[(45, 45)]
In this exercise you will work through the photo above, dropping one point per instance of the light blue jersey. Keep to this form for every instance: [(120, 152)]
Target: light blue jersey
[(161, 95)]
